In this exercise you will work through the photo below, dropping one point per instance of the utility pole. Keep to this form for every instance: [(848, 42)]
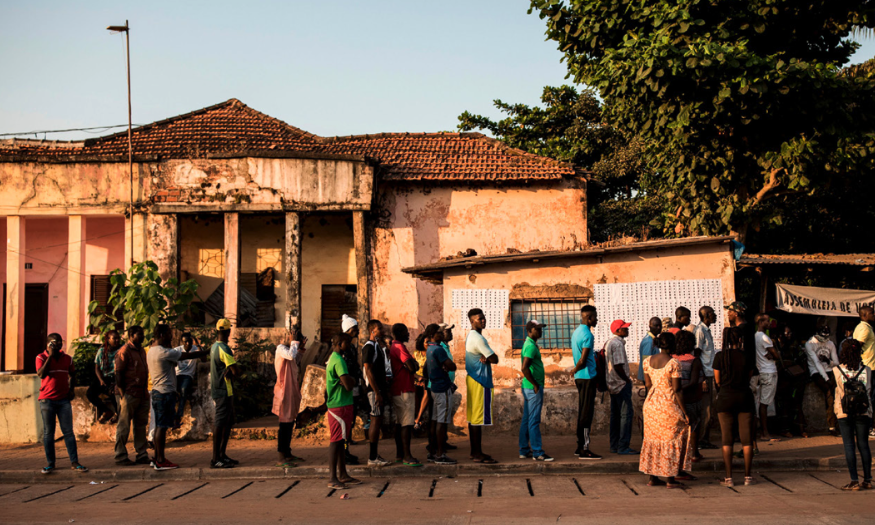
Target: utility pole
[(126, 29)]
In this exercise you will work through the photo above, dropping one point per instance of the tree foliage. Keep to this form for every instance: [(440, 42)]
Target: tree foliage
[(146, 300), (569, 128), (741, 105)]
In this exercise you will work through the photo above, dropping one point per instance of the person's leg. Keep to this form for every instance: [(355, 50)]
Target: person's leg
[(830, 401), (536, 405), (763, 420), (335, 456), (863, 425), (524, 446), (284, 440), (441, 439), (726, 421), (226, 435), (746, 433), (93, 395), (150, 435), (183, 389), (475, 434), (627, 413), (580, 384), (705, 424), (141, 408), (846, 427), (589, 409), (123, 428), (65, 419), (48, 413), (614, 431)]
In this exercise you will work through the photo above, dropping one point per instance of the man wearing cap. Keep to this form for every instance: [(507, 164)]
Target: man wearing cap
[(533, 395), (620, 387), (223, 367), (822, 357)]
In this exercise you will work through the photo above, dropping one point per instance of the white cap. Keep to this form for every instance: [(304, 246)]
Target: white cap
[(347, 322)]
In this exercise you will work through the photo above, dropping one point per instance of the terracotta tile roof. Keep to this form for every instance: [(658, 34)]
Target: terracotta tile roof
[(232, 127), (447, 156), (843, 259)]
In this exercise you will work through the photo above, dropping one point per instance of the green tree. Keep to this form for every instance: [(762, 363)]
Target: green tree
[(569, 128), (741, 105), (146, 300)]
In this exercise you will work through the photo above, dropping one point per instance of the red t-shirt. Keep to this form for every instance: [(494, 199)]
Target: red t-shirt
[(403, 378), (56, 384)]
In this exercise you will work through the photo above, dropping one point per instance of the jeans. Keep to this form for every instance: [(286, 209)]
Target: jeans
[(621, 419), (60, 409), (132, 409), (857, 429), (530, 426), (586, 392), (184, 387)]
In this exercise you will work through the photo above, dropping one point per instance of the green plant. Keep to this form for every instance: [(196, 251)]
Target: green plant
[(84, 350), (146, 300)]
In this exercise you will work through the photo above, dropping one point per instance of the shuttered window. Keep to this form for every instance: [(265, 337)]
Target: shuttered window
[(337, 299)]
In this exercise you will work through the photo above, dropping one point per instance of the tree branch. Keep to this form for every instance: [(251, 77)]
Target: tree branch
[(771, 185)]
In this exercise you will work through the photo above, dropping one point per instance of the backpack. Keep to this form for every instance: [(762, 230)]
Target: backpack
[(855, 402), (601, 367)]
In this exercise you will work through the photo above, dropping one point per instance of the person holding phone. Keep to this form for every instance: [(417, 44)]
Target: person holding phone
[(287, 394)]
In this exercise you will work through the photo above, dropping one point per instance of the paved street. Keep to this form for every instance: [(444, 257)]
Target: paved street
[(780, 497)]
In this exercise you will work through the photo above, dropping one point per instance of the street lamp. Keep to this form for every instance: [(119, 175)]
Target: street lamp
[(126, 29)]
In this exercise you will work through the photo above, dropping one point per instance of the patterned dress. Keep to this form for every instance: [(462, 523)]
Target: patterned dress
[(666, 436)]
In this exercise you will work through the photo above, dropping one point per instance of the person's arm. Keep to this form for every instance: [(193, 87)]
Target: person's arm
[(696, 376), (619, 354), (678, 397), (369, 372), (120, 379), (487, 355), (717, 378), (290, 352), (581, 364), (833, 356), (423, 406), (527, 372), (347, 382), (812, 358), (184, 356), (231, 367), (408, 361), (43, 369), (72, 371), (772, 353), (99, 375)]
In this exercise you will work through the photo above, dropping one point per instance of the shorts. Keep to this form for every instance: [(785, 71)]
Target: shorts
[(479, 403), (694, 414), (225, 410), (340, 423), (164, 406), (381, 410), (404, 406), (767, 385), (443, 406)]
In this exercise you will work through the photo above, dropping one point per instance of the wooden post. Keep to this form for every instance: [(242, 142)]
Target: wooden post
[(764, 288), (292, 268), (232, 266), (362, 273), (75, 279), (15, 282)]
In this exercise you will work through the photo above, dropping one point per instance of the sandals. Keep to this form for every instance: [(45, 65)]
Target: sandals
[(674, 485), (657, 483), (749, 480), (351, 481), (866, 485), (292, 457), (80, 469), (727, 482), (286, 464), (486, 460), (337, 486), (854, 485), (685, 476)]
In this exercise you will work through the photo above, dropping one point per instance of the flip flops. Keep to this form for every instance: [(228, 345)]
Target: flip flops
[(80, 469), (337, 486), (286, 464), (352, 481)]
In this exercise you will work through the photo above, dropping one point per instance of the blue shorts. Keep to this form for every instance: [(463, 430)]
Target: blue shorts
[(164, 406)]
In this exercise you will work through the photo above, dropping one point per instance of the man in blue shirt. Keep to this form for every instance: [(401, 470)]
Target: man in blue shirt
[(582, 343), (648, 346)]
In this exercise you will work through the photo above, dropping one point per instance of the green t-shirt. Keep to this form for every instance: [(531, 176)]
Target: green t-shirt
[(337, 395), (221, 358), (531, 350)]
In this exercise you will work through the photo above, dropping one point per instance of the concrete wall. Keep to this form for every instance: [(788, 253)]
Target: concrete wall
[(328, 257), (20, 419), (420, 224)]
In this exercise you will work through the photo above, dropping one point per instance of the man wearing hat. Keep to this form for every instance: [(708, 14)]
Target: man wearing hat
[(620, 387), (223, 367), (822, 357), (533, 395)]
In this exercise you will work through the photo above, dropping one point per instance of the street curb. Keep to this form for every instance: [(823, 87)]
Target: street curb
[(126, 474)]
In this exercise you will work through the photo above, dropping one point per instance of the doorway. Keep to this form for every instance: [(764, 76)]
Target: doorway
[(337, 299), (36, 323)]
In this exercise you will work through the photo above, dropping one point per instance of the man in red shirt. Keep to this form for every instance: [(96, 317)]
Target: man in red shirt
[(55, 369), (404, 367), (131, 382)]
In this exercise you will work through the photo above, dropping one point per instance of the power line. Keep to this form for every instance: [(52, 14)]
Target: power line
[(65, 130)]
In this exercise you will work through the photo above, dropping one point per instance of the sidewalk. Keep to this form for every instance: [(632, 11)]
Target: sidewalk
[(21, 464)]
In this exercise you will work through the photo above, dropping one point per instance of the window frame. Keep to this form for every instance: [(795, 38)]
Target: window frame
[(566, 350)]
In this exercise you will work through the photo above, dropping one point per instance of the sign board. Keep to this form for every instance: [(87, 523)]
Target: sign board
[(822, 301)]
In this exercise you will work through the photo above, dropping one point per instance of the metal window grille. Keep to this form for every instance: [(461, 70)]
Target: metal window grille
[(562, 317)]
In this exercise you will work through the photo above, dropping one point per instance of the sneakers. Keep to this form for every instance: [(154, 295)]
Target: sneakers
[(577, 451), (866, 485), (164, 465), (220, 464), (588, 455), (628, 452), (444, 460), (855, 486), (125, 463), (544, 457), (144, 461), (431, 458), (352, 460), (379, 462), (527, 455), (872, 433), (231, 461)]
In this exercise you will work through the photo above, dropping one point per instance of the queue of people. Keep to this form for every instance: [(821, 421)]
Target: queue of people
[(687, 381)]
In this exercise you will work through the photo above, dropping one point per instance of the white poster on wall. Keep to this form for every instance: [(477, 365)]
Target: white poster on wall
[(494, 304), (636, 303)]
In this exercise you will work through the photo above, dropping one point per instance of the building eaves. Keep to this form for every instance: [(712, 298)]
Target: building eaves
[(808, 259)]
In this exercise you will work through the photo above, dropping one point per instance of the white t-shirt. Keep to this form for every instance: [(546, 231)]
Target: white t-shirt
[(764, 364), (189, 366)]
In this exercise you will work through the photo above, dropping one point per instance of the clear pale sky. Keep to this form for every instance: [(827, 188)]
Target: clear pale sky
[(331, 68)]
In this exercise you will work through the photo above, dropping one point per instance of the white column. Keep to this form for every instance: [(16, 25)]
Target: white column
[(15, 282), (75, 279)]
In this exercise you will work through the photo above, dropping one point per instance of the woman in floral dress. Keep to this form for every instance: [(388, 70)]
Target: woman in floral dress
[(666, 449)]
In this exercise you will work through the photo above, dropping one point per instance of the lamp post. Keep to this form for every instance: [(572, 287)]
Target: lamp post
[(126, 29)]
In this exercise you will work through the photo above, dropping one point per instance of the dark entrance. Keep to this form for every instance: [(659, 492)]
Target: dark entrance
[(36, 323), (337, 299)]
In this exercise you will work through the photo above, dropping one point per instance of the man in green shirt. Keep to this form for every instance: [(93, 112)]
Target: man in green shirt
[(223, 367), (338, 397), (533, 395)]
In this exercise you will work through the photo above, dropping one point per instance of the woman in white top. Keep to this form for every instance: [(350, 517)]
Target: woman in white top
[(854, 411)]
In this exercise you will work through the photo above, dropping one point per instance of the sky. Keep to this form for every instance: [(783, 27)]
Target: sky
[(330, 68)]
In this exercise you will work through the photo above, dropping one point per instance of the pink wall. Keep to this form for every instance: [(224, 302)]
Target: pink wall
[(104, 252), (46, 249), (421, 225)]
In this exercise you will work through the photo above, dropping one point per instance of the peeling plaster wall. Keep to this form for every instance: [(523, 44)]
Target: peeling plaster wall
[(328, 257), (419, 225)]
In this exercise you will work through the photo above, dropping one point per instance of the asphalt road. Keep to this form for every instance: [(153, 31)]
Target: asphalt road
[(780, 497)]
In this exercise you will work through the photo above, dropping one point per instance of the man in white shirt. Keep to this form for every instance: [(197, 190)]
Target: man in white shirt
[(822, 358), (620, 387), (705, 343), (186, 375), (767, 381)]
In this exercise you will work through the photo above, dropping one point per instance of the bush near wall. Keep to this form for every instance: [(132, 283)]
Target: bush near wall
[(84, 350)]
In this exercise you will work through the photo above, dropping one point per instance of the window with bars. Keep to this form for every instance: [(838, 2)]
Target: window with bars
[(561, 315)]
